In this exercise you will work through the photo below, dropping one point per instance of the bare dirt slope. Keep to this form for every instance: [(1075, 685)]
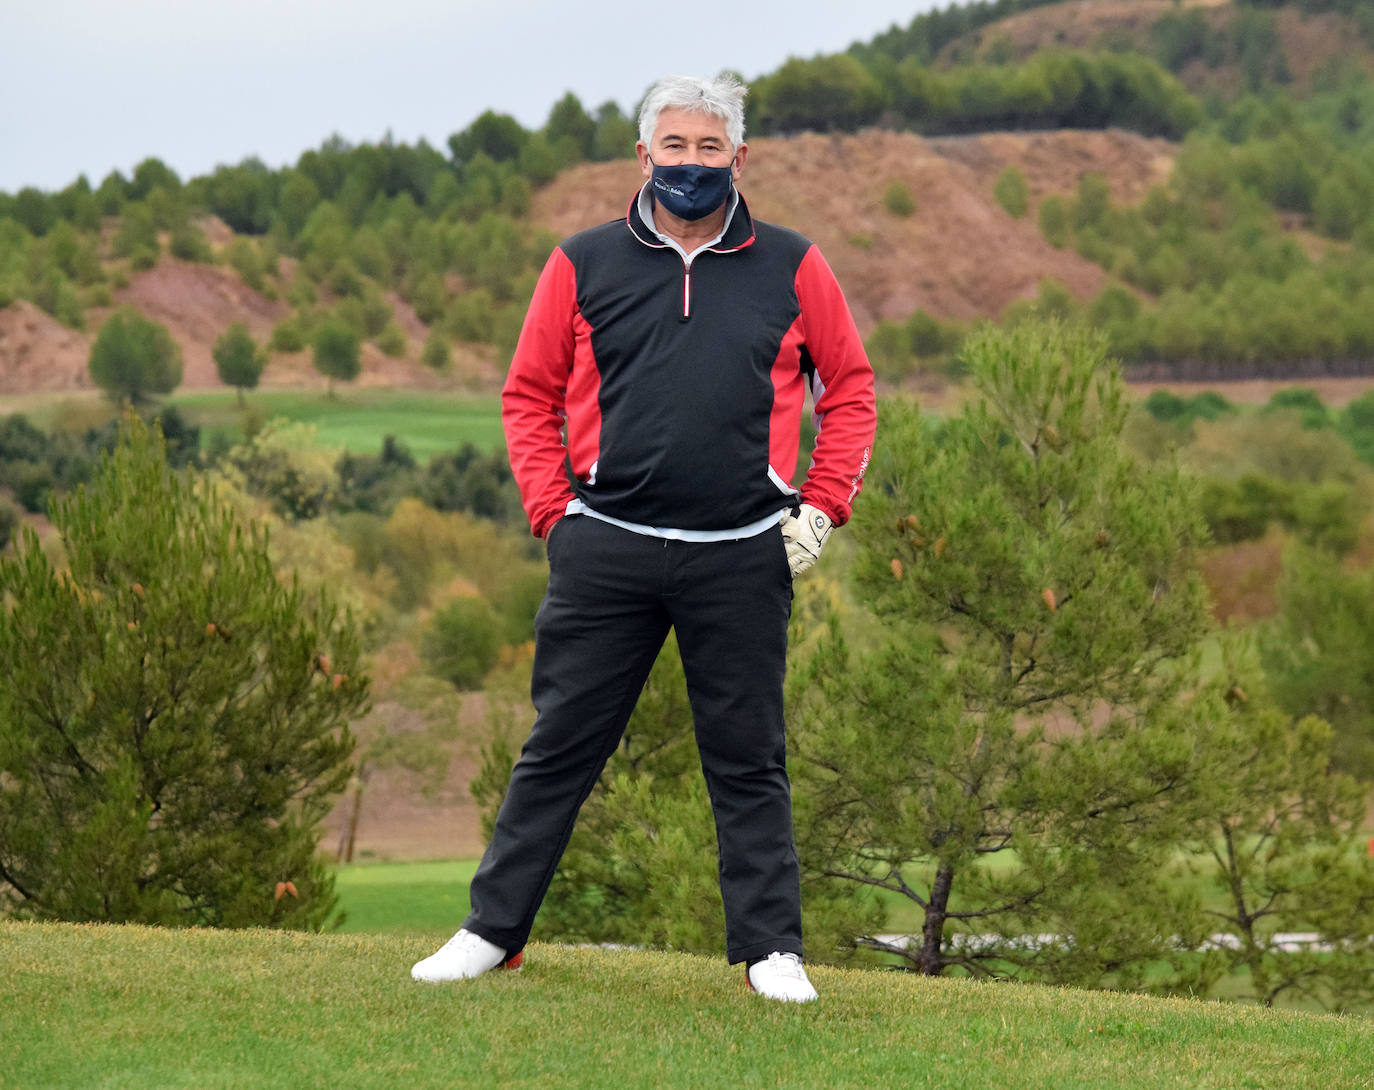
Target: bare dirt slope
[(197, 303), (38, 353), (959, 256)]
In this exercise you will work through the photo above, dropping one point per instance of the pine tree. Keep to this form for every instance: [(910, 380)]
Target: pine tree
[(1279, 841), (1007, 754), (173, 719)]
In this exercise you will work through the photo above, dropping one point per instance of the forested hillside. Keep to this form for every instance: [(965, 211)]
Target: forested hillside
[(1220, 222)]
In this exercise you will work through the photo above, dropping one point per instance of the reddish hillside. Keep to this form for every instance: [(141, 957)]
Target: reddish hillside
[(197, 303), (959, 256), (38, 353)]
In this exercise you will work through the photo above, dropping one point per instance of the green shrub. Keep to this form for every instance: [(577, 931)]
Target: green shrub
[(10, 519), (889, 351), (1305, 402), (32, 484), (246, 259), (1054, 221), (1209, 405), (376, 483), (1356, 423), (463, 642), (472, 480), (285, 464), (376, 313), (1011, 192), (365, 533), (344, 279), (1093, 201), (470, 316), (136, 236), (1165, 406), (56, 295), (301, 292), (392, 341), (898, 200), (428, 298), (190, 244), (436, 354), (288, 335)]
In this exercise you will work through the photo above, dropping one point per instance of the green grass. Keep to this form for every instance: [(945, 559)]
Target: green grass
[(133, 1007), (358, 420), (430, 899), (404, 898)]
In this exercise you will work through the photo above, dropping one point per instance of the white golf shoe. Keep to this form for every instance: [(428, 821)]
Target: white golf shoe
[(464, 956), (781, 976)]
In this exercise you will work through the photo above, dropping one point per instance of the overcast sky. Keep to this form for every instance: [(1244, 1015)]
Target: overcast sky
[(90, 86)]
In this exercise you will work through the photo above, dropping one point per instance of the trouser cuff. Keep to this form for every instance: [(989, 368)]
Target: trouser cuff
[(760, 950)]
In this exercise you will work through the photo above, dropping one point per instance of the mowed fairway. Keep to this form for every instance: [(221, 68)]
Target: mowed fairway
[(405, 898), (359, 420), (133, 1007)]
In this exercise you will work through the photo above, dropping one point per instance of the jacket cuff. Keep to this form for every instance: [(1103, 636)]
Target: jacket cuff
[(838, 515)]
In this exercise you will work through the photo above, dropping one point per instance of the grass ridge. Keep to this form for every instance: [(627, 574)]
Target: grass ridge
[(124, 1006)]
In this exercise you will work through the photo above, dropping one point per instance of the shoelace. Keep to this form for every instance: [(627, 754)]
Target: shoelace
[(463, 940), (788, 965)]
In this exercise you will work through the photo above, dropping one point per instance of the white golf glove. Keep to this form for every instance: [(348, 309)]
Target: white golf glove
[(804, 533)]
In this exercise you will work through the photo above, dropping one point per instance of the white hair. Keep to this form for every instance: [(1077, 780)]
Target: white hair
[(722, 97)]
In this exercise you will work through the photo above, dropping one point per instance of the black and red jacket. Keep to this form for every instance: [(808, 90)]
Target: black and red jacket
[(682, 387)]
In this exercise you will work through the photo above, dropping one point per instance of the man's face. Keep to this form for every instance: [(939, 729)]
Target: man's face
[(689, 136)]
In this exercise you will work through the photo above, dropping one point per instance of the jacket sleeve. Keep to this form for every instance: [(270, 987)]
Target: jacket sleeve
[(842, 388), (533, 398)]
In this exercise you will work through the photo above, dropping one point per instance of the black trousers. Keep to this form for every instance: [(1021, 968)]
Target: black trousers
[(612, 597)]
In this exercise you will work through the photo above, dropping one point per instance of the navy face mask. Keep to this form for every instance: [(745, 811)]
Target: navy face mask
[(691, 191)]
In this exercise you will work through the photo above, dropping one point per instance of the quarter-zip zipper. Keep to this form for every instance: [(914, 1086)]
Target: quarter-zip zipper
[(686, 312)]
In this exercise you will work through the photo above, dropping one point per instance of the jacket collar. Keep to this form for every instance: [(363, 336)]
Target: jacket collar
[(739, 224)]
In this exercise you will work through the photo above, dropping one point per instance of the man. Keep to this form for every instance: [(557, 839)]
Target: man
[(674, 346)]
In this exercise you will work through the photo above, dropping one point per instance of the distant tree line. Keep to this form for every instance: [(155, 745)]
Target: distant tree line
[(1050, 90), (929, 33)]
